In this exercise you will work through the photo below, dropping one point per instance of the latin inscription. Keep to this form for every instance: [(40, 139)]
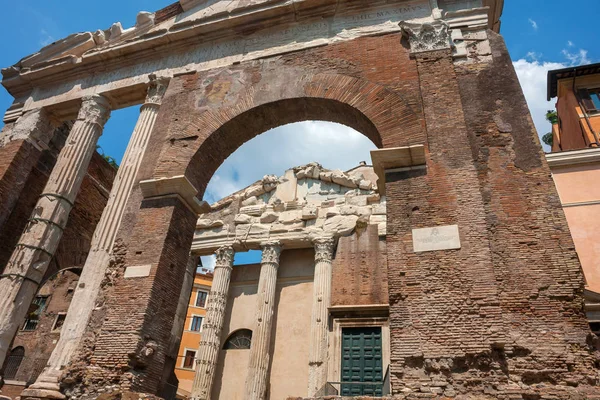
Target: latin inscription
[(434, 239)]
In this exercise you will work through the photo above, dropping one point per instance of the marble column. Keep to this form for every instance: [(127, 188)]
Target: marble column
[(88, 288), (260, 350), (41, 237), (208, 352), (319, 329)]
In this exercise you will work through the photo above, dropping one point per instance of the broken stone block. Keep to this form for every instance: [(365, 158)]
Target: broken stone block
[(342, 179), (269, 217), (286, 190), (341, 224), (270, 182), (357, 200), (349, 210), (278, 227), (254, 191), (331, 212), (289, 217), (365, 185), (325, 176), (377, 219), (242, 219), (250, 201), (373, 198), (309, 213), (255, 210), (208, 223)]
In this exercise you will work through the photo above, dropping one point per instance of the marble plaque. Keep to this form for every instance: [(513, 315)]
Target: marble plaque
[(438, 238), (140, 271)]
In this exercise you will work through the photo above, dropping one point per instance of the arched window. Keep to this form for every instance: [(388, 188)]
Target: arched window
[(239, 340), (13, 362)]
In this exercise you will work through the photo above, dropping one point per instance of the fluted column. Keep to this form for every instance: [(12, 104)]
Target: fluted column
[(86, 294), (210, 344), (41, 237), (317, 362), (257, 378)]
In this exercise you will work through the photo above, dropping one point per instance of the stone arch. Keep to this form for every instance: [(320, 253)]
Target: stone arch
[(238, 340), (383, 115)]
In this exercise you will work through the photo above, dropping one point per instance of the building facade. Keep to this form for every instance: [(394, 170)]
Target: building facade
[(575, 163), (192, 333), (39, 332), (484, 287)]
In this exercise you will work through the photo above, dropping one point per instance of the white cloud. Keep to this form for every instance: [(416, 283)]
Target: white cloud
[(534, 24), (570, 44), (533, 78), (532, 55), (333, 145), (578, 58)]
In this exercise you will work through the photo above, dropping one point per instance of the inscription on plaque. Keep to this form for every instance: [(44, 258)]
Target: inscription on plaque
[(140, 271), (434, 239)]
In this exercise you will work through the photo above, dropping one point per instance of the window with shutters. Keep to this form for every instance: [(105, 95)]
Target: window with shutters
[(13, 362), (201, 299), (189, 359), (33, 318), (590, 99), (196, 324)]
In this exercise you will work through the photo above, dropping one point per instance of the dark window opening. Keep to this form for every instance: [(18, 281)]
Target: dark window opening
[(38, 305), (239, 340), (13, 362), (590, 99), (189, 358), (60, 320), (201, 299)]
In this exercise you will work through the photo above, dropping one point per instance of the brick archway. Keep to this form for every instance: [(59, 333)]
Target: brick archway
[(199, 141)]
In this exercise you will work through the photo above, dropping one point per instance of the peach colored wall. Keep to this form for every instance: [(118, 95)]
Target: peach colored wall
[(191, 340), (290, 339), (578, 184)]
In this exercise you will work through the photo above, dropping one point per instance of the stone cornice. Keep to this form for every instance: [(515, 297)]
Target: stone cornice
[(179, 36), (397, 157), (177, 185), (570, 158)]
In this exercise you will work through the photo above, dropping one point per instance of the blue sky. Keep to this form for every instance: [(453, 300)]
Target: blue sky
[(540, 34)]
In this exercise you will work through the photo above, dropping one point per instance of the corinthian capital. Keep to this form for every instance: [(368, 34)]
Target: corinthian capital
[(324, 249), (156, 89), (94, 109), (224, 257), (427, 36), (271, 252)]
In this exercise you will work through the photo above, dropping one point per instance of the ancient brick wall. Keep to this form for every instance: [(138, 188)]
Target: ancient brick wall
[(72, 252), (500, 317)]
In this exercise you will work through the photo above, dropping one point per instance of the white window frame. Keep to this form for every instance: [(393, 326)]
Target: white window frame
[(198, 294), (54, 329), (185, 350), (192, 322)]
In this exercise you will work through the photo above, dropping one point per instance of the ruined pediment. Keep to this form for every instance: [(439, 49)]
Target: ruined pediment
[(306, 202)]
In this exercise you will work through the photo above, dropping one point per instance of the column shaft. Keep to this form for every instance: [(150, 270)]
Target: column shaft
[(210, 344), (257, 379), (86, 294), (319, 330), (41, 237)]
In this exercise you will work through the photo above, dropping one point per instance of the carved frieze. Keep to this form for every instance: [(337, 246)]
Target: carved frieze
[(427, 37)]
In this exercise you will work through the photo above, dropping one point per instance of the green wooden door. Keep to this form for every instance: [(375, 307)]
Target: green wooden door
[(362, 362)]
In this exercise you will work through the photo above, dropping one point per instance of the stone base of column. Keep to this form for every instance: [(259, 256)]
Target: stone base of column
[(47, 388)]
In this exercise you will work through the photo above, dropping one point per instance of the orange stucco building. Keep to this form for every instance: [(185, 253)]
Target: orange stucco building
[(190, 340), (575, 165)]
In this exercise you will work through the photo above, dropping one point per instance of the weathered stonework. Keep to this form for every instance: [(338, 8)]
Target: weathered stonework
[(500, 317)]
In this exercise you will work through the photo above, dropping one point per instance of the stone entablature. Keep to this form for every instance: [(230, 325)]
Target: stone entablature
[(208, 31), (307, 202)]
